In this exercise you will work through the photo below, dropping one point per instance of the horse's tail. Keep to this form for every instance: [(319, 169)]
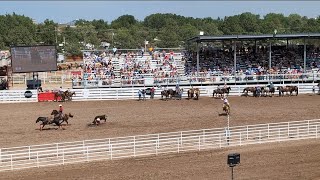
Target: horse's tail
[(70, 115)]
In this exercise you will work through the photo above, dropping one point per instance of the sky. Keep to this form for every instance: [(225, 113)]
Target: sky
[(66, 11)]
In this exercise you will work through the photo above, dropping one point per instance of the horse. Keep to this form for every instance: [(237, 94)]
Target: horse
[(59, 94), (197, 93), (48, 120), (68, 95), (221, 91), (226, 109), (293, 89), (43, 121), (97, 119), (64, 117), (267, 90), (4, 84), (165, 93), (249, 89), (287, 89), (194, 93)]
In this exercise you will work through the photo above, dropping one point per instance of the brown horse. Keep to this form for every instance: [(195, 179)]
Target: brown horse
[(226, 109), (62, 119), (287, 89), (194, 93), (249, 89), (221, 91), (165, 93), (59, 94), (44, 121), (68, 95)]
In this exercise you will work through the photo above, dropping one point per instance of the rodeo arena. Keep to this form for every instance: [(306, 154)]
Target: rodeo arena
[(238, 94)]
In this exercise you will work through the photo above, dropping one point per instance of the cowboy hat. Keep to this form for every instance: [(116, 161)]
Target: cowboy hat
[(60, 104)]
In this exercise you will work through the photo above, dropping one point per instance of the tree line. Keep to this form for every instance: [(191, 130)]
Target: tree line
[(160, 30)]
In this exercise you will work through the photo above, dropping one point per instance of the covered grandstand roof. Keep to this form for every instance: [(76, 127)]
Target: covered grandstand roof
[(253, 37)]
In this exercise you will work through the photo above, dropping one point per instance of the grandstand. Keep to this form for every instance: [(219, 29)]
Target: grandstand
[(287, 61)]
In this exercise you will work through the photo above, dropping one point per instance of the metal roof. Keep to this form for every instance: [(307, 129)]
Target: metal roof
[(253, 37)]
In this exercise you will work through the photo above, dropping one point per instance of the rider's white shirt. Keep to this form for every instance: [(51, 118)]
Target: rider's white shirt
[(226, 101)]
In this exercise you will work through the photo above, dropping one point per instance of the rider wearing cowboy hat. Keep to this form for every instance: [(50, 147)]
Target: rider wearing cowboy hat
[(60, 110)]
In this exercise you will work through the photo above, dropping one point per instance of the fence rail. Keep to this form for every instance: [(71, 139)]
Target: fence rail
[(154, 144), (132, 93)]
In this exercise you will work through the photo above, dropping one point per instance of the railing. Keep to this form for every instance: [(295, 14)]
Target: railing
[(154, 144), (204, 79)]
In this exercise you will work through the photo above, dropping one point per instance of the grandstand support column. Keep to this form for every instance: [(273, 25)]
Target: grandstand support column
[(255, 46), (198, 58), (270, 53), (235, 56), (304, 55)]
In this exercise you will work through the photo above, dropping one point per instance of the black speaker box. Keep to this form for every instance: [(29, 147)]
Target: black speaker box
[(233, 159)]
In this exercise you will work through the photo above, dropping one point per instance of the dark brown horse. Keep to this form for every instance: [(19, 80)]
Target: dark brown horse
[(194, 93), (165, 93), (249, 89), (44, 121), (287, 89), (60, 95), (221, 91), (64, 117), (68, 95)]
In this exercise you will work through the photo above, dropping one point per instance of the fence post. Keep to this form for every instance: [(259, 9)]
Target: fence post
[(156, 147), (111, 151), (87, 153), (29, 153), (204, 136), (288, 129), (37, 159), (158, 140), (83, 146), (268, 131), (181, 138), (178, 146), (260, 137), (134, 146), (11, 162), (199, 143), (63, 156), (57, 151), (240, 139), (247, 132)]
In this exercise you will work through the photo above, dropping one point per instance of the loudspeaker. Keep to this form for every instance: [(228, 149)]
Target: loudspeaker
[(33, 84), (233, 159)]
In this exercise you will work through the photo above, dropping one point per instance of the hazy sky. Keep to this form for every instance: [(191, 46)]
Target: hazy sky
[(66, 11)]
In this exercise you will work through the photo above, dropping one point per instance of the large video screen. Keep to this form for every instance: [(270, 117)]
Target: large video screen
[(33, 59)]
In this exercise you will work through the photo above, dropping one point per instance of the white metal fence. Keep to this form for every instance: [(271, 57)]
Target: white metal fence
[(154, 144), (7, 96), (132, 93)]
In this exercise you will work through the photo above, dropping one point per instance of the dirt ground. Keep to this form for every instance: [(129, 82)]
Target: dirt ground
[(276, 161)]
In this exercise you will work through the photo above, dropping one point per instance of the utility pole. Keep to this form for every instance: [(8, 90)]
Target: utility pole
[(56, 34)]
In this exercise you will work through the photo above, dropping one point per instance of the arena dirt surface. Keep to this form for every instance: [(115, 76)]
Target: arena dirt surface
[(294, 160)]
